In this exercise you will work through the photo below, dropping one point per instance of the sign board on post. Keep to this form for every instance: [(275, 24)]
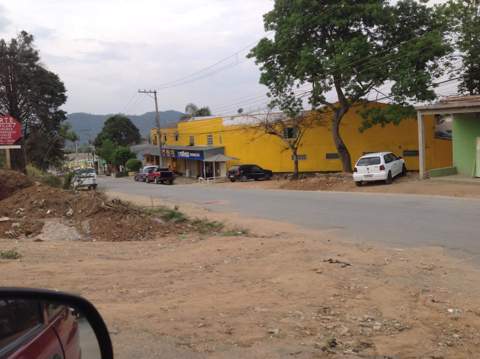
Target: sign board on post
[(10, 130), (10, 133)]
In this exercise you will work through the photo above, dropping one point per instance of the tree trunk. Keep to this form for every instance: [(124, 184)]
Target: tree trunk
[(339, 144), (295, 164), (18, 158)]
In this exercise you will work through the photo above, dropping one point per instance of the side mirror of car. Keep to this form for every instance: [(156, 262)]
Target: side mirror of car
[(38, 323), (400, 157)]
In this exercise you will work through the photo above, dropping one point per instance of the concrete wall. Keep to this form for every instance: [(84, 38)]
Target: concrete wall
[(466, 129), (250, 145)]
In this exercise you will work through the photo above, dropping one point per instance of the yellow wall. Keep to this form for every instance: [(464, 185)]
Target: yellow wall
[(250, 145)]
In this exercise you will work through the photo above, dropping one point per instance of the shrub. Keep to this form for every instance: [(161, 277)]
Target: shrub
[(121, 155), (51, 180), (43, 177), (205, 226), (10, 254), (67, 180), (133, 165)]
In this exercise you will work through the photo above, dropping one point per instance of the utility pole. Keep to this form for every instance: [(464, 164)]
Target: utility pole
[(157, 120)]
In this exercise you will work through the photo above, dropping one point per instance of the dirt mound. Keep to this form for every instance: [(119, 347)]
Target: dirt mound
[(12, 181), (322, 182), (91, 213)]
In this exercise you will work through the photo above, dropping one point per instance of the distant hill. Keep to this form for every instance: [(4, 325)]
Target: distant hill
[(88, 125)]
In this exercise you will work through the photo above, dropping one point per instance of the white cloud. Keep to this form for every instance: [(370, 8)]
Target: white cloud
[(104, 50)]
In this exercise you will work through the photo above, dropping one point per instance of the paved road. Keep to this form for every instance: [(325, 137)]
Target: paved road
[(453, 223)]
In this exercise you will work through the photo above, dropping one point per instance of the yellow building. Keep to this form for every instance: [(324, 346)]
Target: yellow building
[(209, 145)]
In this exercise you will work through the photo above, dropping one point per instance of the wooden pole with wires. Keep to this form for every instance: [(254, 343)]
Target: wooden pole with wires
[(157, 121)]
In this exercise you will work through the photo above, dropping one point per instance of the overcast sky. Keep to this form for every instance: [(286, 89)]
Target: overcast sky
[(104, 50)]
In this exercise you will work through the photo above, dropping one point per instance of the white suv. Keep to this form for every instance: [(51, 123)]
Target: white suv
[(381, 166)]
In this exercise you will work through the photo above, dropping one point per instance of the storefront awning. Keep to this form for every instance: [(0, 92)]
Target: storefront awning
[(220, 158)]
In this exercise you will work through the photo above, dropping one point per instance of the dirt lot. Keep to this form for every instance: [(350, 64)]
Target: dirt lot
[(343, 182), (275, 292)]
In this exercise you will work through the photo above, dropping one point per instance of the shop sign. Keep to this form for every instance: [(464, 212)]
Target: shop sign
[(190, 155)]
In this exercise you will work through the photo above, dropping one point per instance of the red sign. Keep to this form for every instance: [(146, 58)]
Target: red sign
[(10, 130)]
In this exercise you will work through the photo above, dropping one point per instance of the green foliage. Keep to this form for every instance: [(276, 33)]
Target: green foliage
[(121, 155), (205, 226), (40, 175), (168, 214), (236, 232), (133, 165), (465, 21), (52, 181), (107, 150), (120, 130), (34, 96), (67, 180), (10, 254), (192, 110), (384, 115), (67, 133), (350, 47)]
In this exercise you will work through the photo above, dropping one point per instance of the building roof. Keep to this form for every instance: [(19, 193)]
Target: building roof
[(153, 149), (451, 105), (220, 158)]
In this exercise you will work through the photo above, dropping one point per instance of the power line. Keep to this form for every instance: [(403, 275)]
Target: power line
[(199, 74)]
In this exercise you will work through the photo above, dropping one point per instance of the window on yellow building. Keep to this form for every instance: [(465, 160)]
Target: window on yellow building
[(192, 141), (220, 140), (290, 133), (164, 138), (176, 136), (209, 140)]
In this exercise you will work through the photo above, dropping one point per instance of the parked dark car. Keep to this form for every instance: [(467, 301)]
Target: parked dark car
[(34, 329), (160, 175), (247, 172), (141, 176)]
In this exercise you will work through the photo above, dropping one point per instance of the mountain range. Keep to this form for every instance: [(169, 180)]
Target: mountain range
[(87, 125)]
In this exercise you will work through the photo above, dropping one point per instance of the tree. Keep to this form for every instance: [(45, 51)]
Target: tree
[(351, 48), (68, 133), (33, 95), (465, 20), (107, 150), (120, 130), (290, 130), (121, 155), (192, 110), (133, 164)]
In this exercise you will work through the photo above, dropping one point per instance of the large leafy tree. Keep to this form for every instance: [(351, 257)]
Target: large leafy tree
[(464, 16), (346, 49), (33, 95), (120, 130)]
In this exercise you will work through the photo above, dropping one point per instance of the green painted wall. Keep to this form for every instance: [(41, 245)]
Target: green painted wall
[(466, 129)]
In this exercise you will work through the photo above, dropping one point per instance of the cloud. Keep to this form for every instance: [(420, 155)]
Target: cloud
[(4, 21), (104, 50)]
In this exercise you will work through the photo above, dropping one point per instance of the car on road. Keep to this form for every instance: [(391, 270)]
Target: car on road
[(141, 176), (246, 172), (380, 166), (84, 178), (160, 175)]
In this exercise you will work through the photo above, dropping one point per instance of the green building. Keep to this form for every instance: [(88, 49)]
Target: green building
[(464, 114)]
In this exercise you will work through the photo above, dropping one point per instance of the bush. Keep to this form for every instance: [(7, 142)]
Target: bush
[(133, 165), (121, 155), (51, 180), (67, 180), (10, 254), (46, 178)]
